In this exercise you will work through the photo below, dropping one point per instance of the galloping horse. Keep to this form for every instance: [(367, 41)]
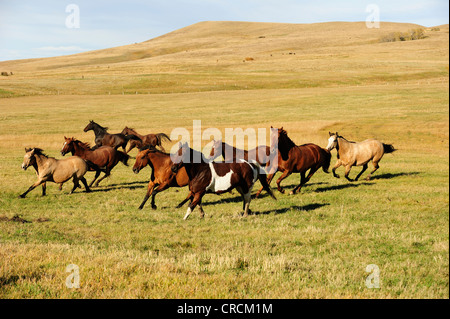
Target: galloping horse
[(49, 169), (103, 138), (104, 158), (295, 159), (144, 140), (207, 176), (261, 154), (162, 176), (357, 154)]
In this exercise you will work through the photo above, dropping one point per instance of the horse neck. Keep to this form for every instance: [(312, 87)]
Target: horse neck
[(285, 144), (41, 160), (78, 149), (99, 131), (133, 132), (343, 145), (156, 158)]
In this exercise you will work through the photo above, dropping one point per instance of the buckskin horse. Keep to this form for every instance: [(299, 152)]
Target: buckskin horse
[(104, 158), (295, 159), (49, 169), (357, 154), (207, 176)]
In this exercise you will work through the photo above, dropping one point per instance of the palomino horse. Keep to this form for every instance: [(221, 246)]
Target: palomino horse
[(104, 158), (144, 140), (162, 176), (103, 138), (207, 176), (49, 169), (261, 154), (357, 154), (295, 159)]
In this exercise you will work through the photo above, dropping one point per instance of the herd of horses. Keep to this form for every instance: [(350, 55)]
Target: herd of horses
[(239, 170)]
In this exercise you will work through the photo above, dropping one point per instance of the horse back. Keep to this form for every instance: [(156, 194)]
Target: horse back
[(66, 168)]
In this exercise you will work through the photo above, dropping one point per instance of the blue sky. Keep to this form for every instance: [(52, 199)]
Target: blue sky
[(31, 29)]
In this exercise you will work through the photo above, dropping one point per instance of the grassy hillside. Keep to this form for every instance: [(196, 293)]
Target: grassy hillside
[(316, 244)]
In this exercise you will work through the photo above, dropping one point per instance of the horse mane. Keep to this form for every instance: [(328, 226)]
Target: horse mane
[(346, 139), (38, 151), (289, 142), (101, 127), (82, 144), (152, 149)]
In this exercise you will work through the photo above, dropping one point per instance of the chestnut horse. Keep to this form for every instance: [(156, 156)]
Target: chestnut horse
[(49, 169), (261, 154), (144, 140), (295, 159), (357, 154), (104, 158), (103, 138), (162, 176), (207, 176)]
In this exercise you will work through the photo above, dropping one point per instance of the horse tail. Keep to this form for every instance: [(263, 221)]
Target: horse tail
[(123, 157), (262, 176), (327, 160), (388, 148), (162, 136)]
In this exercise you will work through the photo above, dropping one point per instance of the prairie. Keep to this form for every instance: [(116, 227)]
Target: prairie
[(310, 79)]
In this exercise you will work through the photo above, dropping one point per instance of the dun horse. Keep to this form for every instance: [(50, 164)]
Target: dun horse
[(357, 154), (103, 138), (207, 176), (49, 169), (261, 154), (104, 158), (295, 159), (162, 176), (144, 140)]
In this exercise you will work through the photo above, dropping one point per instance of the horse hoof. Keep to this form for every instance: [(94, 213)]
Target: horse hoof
[(21, 196), (154, 207)]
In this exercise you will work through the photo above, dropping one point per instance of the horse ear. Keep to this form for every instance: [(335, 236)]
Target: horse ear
[(331, 134)]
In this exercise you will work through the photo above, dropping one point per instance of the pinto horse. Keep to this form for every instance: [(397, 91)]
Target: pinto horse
[(144, 140), (357, 154), (207, 176), (162, 176), (261, 154), (103, 138), (104, 158), (49, 169), (295, 159)]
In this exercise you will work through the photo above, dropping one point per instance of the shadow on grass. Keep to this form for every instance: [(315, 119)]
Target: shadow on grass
[(390, 176), (112, 187), (306, 208), (343, 186)]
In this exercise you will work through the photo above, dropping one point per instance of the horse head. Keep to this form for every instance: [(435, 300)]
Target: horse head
[(216, 149), (332, 141)]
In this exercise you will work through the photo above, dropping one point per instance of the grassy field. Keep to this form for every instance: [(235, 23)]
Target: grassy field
[(316, 244)]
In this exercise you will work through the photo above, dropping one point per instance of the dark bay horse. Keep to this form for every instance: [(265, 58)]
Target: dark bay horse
[(295, 159), (357, 154), (104, 158), (162, 176), (49, 169), (207, 176), (103, 138), (144, 140), (261, 154)]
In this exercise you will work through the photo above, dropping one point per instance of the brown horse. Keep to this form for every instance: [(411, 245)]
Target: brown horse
[(295, 159), (207, 176), (162, 176), (103, 138), (49, 169), (144, 140), (104, 158), (357, 154), (261, 154)]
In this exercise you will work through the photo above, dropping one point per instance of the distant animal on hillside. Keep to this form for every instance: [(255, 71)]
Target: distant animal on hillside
[(104, 158), (207, 176), (49, 169), (293, 158), (144, 140), (357, 154), (103, 138), (162, 176)]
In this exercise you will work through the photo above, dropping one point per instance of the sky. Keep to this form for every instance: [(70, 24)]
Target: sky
[(45, 28)]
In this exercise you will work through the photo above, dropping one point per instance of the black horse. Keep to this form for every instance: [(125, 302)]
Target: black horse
[(103, 138)]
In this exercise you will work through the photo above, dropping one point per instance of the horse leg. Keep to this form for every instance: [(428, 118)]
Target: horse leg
[(132, 145), (39, 182), (338, 164), (202, 212), (362, 171), (347, 172), (197, 199), (83, 180), (97, 174), (76, 184), (158, 189), (151, 186), (285, 174), (44, 188), (376, 166), (269, 179), (304, 180), (189, 197), (107, 173)]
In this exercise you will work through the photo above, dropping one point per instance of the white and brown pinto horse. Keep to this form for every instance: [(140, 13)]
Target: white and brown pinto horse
[(357, 154), (206, 176), (49, 169)]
